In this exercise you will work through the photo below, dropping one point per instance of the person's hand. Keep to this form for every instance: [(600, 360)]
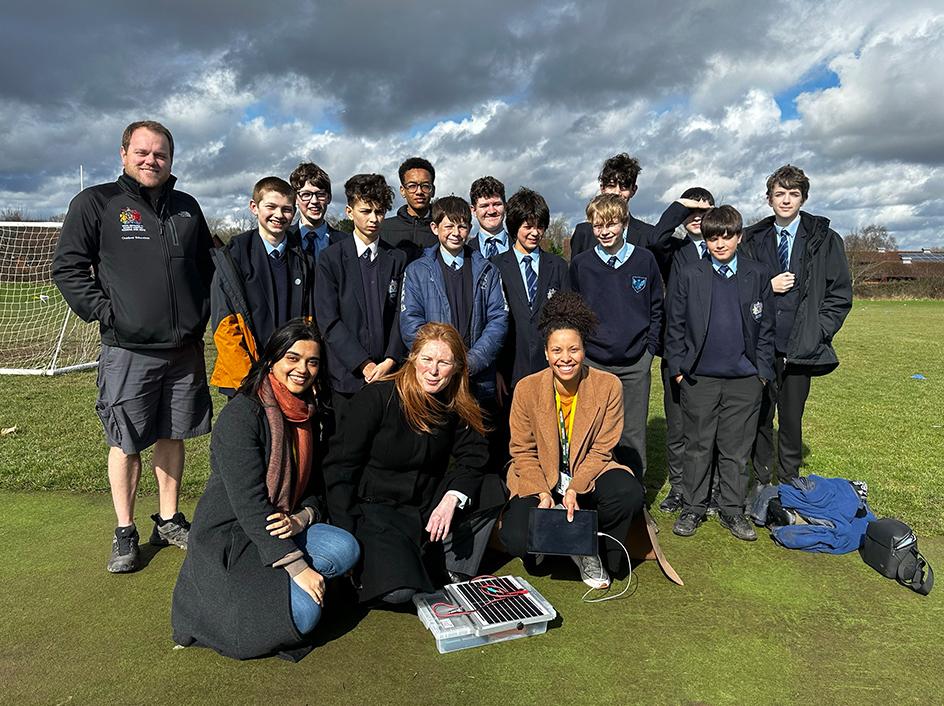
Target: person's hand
[(312, 583), (545, 501), (380, 369), (367, 369), (570, 503), (678, 379), (283, 525), (695, 204), (783, 282), (501, 389), (441, 519)]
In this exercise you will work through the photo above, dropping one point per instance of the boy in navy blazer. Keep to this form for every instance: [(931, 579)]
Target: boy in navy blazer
[(719, 344), (621, 284), (312, 197), (487, 197), (530, 276), (618, 176), (262, 280), (357, 293)]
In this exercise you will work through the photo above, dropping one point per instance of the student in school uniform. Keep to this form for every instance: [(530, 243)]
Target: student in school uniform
[(677, 242), (813, 296), (312, 197), (409, 228), (357, 295), (487, 196), (530, 276), (618, 176), (719, 347), (262, 280), (622, 285)]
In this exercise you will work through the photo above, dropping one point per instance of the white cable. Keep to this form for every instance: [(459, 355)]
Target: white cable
[(629, 579)]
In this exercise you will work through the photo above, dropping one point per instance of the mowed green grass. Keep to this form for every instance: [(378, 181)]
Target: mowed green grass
[(753, 624), (868, 420)]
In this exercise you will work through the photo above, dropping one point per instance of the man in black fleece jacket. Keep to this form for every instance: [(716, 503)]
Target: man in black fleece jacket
[(622, 285), (147, 249), (409, 229)]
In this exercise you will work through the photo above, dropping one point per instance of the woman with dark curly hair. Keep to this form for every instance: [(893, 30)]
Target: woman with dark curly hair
[(565, 421)]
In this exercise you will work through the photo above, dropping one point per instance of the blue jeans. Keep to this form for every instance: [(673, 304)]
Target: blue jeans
[(331, 552)]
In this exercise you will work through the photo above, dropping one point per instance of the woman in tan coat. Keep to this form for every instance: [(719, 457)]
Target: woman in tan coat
[(565, 421)]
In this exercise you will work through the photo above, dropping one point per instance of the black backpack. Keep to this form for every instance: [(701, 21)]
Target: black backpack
[(891, 548)]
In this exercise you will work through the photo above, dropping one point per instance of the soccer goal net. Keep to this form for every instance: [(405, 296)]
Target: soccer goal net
[(39, 334)]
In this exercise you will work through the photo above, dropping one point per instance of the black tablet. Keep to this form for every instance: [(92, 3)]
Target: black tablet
[(549, 532)]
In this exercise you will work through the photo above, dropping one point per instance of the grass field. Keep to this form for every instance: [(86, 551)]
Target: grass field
[(753, 624)]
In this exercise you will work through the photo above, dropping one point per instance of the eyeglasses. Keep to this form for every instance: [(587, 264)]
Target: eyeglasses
[(306, 196), (426, 187)]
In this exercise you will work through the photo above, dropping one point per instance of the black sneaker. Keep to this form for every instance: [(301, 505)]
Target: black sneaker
[(687, 524), (125, 556), (672, 502), (174, 531), (738, 524)]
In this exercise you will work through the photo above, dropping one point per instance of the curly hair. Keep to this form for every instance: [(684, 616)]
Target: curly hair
[(485, 187), (567, 310), (370, 188), (620, 169)]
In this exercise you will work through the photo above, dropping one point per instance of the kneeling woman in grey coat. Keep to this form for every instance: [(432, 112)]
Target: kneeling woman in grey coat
[(254, 578)]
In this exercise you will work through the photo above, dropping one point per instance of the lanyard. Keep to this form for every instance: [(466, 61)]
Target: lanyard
[(565, 431)]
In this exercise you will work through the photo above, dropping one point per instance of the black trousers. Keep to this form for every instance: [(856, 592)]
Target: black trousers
[(787, 396), (618, 497), (674, 431), (719, 413)]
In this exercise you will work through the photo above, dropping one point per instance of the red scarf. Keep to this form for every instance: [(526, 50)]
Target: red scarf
[(284, 408)]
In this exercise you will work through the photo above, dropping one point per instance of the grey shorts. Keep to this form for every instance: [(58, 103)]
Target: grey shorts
[(146, 395)]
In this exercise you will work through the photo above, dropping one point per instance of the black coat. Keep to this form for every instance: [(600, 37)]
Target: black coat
[(523, 352), (383, 480), (823, 283), (639, 233), (228, 595), (408, 233), (294, 236), (688, 310), (341, 307), (670, 251)]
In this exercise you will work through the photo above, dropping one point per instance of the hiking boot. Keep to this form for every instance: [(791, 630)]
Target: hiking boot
[(672, 502), (592, 572), (174, 531), (687, 524), (125, 556), (738, 524)]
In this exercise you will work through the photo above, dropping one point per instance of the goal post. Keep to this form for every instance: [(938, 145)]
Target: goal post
[(39, 334)]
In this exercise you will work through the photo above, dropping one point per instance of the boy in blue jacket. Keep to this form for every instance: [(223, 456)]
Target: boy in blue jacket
[(719, 345), (622, 285), (454, 284)]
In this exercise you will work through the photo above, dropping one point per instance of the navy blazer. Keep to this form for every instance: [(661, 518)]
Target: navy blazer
[(689, 309), (672, 252), (523, 352), (341, 309), (639, 233)]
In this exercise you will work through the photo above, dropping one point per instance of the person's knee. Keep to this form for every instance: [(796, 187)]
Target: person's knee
[(306, 614), (621, 495), (333, 550)]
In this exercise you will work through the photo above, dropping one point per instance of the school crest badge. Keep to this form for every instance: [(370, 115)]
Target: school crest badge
[(392, 291), (639, 283), (757, 310), (551, 292), (130, 220)]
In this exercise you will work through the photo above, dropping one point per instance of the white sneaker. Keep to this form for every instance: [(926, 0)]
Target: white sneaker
[(591, 571)]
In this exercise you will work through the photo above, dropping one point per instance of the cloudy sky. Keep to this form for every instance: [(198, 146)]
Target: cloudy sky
[(716, 93)]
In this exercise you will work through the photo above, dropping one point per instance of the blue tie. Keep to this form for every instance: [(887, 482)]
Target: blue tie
[(491, 248), (782, 252), (724, 270), (703, 248), (531, 277), (275, 255), (612, 261)]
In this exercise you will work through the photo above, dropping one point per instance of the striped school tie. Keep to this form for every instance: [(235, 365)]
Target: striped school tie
[(724, 270), (612, 261), (782, 251), (531, 277), (703, 248), (491, 248)]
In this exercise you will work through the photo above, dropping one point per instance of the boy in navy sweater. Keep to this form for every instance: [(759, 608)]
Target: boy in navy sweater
[(622, 285), (719, 344)]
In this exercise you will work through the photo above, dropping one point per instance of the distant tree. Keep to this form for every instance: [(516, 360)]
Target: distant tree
[(557, 232), (862, 248), (225, 228), (15, 214), (346, 225)]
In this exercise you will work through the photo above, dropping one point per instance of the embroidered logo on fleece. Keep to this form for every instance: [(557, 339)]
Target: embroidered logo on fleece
[(639, 283), (130, 220)]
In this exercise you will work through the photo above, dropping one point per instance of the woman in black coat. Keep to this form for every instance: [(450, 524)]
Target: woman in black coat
[(388, 475), (254, 578)]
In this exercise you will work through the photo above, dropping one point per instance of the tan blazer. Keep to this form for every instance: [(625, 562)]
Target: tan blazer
[(535, 432)]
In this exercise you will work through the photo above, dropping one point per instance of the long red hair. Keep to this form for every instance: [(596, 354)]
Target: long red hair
[(424, 411)]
